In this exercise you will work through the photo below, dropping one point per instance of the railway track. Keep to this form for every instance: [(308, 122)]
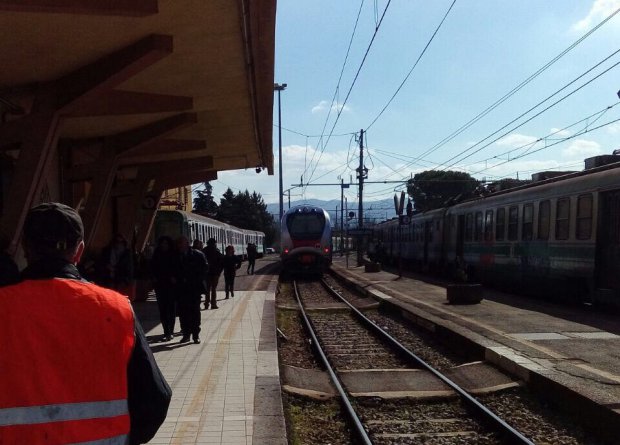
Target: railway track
[(350, 344)]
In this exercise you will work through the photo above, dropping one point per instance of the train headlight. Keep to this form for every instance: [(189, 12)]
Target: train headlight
[(326, 250), (285, 251)]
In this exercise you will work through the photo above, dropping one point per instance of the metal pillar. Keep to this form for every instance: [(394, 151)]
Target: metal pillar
[(360, 208), (279, 87)]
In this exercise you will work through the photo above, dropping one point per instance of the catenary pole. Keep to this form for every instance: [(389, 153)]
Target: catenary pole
[(360, 207), (279, 88)]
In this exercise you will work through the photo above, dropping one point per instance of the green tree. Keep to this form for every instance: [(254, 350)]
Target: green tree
[(435, 189), (204, 204), (247, 211)]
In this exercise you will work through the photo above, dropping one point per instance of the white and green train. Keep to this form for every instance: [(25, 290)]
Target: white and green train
[(558, 236), (176, 223)]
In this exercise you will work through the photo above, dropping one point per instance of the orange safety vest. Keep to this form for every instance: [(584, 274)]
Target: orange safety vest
[(64, 350)]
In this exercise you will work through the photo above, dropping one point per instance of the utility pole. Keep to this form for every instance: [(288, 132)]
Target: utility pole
[(289, 198), (346, 207), (361, 174), (341, 215)]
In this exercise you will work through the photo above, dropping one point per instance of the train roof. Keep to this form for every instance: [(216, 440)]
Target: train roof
[(602, 178), (190, 216), (306, 209)]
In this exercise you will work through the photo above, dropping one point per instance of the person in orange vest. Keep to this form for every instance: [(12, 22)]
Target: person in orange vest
[(75, 364)]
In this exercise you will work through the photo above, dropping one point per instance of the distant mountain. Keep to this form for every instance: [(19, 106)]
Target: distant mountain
[(374, 211)]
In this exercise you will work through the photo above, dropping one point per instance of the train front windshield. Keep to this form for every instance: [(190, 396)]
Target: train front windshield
[(305, 225)]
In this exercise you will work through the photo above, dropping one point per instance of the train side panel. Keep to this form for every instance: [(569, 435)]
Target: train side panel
[(559, 237)]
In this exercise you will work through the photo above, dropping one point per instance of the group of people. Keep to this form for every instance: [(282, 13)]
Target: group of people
[(183, 273)]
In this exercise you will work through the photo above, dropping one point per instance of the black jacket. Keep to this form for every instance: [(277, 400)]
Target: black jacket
[(192, 271), (148, 392), (215, 259), (231, 263), (165, 267)]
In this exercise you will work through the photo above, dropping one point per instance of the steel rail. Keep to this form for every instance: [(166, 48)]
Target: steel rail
[(361, 431), (511, 434)]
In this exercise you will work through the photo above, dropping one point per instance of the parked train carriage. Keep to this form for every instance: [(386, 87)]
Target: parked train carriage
[(306, 240), (546, 235), (255, 237), (175, 223), (419, 243), (426, 234), (559, 236), (342, 243), (384, 234), (236, 237)]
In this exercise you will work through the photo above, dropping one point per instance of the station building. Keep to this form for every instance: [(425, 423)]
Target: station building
[(104, 105)]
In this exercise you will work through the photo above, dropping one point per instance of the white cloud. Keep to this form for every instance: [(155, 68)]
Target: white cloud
[(324, 105), (599, 10), (516, 140), (581, 149), (557, 133)]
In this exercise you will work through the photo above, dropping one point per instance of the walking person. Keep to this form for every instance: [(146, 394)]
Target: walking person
[(189, 289), (252, 254), (214, 258), (165, 268), (76, 366), (231, 264)]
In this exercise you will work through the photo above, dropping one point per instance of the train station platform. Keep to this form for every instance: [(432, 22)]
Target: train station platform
[(226, 390), (569, 352)]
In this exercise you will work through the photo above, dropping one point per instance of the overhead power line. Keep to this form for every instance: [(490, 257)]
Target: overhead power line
[(587, 130), (513, 91), (341, 106), (599, 114), (463, 153), (312, 136), (413, 67), (505, 97), (337, 89)]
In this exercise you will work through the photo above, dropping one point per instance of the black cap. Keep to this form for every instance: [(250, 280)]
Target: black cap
[(211, 241), (53, 226)]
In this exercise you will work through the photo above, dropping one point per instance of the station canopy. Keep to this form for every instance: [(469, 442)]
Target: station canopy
[(173, 90)]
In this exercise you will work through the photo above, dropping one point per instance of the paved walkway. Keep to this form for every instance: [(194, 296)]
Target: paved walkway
[(226, 390)]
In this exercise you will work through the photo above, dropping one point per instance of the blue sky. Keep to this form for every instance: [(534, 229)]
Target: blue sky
[(483, 50)]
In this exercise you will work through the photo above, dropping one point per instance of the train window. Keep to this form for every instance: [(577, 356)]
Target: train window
[(544, 219), (305, 225), (513, 223), (562, 214), (478, 227), (527, 229), (500, 225), (469, 226), (584, 217), (488, 225)]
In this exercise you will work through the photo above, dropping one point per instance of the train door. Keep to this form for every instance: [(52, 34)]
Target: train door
[(608, 241), (428, 226), (460, 235)]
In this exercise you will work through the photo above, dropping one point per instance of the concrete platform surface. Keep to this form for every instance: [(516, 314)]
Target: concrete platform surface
[(226, 390), (560, 348)]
